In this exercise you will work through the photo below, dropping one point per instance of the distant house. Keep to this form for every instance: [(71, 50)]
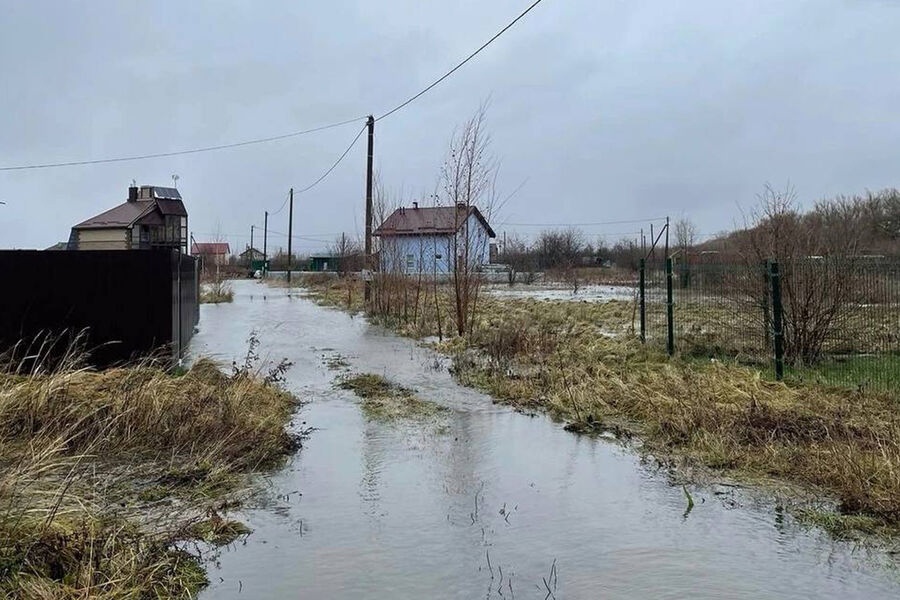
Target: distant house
[(211, 253), (250, 254), (151, 217), (434, 240)]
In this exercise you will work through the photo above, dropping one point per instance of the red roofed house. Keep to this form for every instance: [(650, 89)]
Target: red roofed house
[(211, 253), (434, 239), (151, 217)]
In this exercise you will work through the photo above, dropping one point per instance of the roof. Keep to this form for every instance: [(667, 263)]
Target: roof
[(210, 248), (172, 207), (122, 215), (167, 200), (440, 220), (59, 246), (250, 250)]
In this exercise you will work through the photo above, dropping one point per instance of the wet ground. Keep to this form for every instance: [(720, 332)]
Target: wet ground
[(560, 292), (485, 502)]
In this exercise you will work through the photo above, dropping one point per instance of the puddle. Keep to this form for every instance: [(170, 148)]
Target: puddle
[(586, 293), (374, 509)]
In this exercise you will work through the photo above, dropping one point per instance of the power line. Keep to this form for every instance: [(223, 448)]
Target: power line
[(627, 222), (457, 67), (273, 138), (286, 196), (179, 152), (336, 163)]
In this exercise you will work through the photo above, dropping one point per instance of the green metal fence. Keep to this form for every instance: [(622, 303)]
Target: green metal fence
[(834, 321)]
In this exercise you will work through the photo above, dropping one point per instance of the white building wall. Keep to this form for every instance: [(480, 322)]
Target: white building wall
[(434, 253)]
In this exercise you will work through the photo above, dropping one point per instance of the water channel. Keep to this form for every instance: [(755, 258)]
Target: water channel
[(484, 502)]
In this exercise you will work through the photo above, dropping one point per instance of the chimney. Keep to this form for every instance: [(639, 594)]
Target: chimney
[(415, 205), (460, 204), (132, 193)]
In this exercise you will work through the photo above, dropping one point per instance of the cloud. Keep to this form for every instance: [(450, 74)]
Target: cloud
[(611, 110)]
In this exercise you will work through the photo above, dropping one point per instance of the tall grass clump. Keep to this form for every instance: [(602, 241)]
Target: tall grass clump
[(217, 292), (105, 474)]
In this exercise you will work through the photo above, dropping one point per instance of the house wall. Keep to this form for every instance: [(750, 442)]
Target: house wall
[(479, 242), (103, 239), (416, 254), (419, 254)]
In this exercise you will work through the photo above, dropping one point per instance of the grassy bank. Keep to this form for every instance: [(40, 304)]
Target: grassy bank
[(105, 475), (577, 362)]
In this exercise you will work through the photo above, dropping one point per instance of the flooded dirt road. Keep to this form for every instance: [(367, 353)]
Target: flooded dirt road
[(484, 502)]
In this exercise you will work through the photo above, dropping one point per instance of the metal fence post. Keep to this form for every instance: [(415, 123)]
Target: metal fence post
[(670, 312), (777, 319), (767, 315), (642, 293)]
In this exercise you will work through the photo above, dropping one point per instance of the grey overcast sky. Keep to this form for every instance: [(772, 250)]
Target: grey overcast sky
[(606, 109)]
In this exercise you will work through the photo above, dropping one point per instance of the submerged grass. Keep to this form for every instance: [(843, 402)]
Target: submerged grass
[(104, 475), (578, 362), (216, 292), (384, 400)]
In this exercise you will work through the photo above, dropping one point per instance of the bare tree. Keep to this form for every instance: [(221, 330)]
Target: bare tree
[(562, 250), (816, 255), (348, 252), (468, 182), (685, 235)]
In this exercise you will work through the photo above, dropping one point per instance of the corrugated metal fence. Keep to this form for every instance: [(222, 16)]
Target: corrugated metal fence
[(129, 303)]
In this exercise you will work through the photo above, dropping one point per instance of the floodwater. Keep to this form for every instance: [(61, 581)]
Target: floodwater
[(487, 502), (585, 293)]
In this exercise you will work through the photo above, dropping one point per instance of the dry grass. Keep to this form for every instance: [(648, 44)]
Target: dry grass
[(384, 400), (103, 473), (578, 362), (216, 292)]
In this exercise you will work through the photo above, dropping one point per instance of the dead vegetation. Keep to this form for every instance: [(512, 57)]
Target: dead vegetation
[(384, 400), (217, 292), (104, 475)]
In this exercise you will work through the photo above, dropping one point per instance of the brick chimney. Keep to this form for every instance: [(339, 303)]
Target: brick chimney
[(415, 205), (132, 193)]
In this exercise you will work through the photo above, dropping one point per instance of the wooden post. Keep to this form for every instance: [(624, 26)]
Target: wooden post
[(370, 124)]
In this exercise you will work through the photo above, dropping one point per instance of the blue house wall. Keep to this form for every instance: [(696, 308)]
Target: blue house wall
[(410, 254)]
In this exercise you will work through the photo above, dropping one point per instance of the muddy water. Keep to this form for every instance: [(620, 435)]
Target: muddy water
[(388, 510)]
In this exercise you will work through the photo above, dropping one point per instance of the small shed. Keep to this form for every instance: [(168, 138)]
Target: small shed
[(324, 263)]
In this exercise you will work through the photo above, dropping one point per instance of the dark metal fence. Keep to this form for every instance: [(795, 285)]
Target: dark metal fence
[(128, 302), (834, 321)]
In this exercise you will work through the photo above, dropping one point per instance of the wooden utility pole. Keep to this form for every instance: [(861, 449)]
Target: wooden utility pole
[(251, 244), (370, 123), (290, 233), (265, 239)]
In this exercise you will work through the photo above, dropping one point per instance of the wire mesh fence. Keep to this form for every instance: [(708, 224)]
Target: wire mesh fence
[(832, 321)]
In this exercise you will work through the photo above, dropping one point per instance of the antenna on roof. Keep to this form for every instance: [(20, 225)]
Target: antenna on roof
[(134, 183), (175, 179)]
